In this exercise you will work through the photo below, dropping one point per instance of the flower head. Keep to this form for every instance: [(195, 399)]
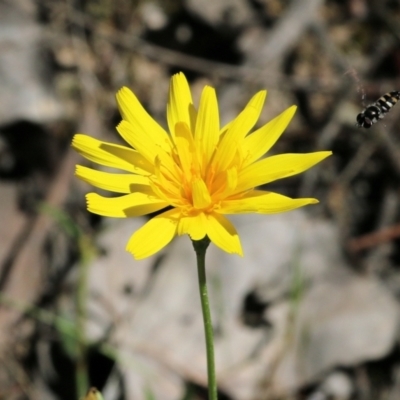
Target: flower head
[(199, 171)]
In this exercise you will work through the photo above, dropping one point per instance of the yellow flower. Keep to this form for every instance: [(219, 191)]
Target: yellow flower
[(93, 394), (200, 171)]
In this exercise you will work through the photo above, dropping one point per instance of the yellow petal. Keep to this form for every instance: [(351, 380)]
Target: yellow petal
[(195, 226), (130, 205), (120, 183), (277, 167), (239, 128), (262, 202), (111, 155), (180, 104), (223, 234), (225, 128), (139, 140), (167, 189), (201, 197), (224, 183), (207, 124), (169, 167), (132, 111), (185, 147), (154, 235), (260, 141)]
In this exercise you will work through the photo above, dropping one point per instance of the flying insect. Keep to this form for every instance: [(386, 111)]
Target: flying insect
[(376, 111)]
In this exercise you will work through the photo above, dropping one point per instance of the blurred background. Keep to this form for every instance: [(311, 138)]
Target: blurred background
[(312, 310)]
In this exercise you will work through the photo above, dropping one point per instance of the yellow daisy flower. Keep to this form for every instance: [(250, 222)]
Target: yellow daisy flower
[(200, 171)]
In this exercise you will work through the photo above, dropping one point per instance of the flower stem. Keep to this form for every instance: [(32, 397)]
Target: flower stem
[(200, 247)]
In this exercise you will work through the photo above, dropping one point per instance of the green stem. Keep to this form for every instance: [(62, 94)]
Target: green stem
[(200, 247)]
